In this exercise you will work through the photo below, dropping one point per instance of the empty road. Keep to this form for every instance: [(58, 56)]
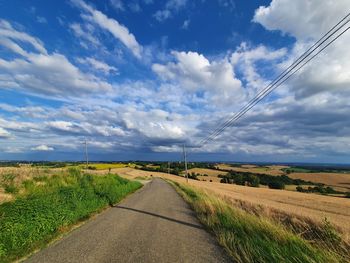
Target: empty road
[(152, 225)]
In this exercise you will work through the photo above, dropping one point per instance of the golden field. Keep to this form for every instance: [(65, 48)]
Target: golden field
[(270, 170), (339, 181), (203, 171), (274, 203)]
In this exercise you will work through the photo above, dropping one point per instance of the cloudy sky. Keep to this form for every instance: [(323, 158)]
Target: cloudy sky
[(138, 78)]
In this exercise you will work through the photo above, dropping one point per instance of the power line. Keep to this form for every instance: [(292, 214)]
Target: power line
[(282, 77)]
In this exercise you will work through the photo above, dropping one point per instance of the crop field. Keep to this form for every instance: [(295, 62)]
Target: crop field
[(339, 181), (209, 172), (270, 170), (298, 207), (254, 237)]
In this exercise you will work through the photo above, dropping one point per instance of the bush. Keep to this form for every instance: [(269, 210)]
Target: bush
[(276, 185), (299, 189), (10, 188), (347, 195)]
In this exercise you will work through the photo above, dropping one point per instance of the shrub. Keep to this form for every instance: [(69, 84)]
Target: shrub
[(299, 189), (10, 188), (276, 185)]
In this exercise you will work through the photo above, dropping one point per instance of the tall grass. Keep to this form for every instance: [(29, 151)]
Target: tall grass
[(249, 238), (49, 205)]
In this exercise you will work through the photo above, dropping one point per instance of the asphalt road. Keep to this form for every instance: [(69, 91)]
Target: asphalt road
[(152, 225)]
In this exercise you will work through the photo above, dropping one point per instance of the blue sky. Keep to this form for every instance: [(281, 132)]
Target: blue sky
[(138, 78)]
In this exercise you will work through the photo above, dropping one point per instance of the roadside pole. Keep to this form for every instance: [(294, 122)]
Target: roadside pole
[(185, 159), (168, 167), (86, 155)]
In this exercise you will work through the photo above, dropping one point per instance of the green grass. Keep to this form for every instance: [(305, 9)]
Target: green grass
[(50, 205), (248, 238)]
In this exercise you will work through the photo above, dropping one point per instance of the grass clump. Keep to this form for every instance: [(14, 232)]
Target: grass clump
[(249, 238), (42, 211)]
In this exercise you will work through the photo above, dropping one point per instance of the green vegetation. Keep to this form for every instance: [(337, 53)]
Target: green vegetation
[(249, 238), (318, 189), (175, 167), (317, 169), (8, 184), (251, 179), (49, 205)]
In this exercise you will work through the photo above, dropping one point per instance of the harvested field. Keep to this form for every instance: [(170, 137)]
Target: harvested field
[(275, 202), (271, 170), (208, 178), (339, 181), (209, 172)]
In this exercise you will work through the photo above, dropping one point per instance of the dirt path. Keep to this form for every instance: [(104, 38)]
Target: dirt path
[(152, 225)]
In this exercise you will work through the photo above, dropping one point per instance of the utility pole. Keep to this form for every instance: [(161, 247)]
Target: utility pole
[(168, 167), (86, 154), (185, 159)]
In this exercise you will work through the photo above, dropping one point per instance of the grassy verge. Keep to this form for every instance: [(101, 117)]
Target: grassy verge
[(47, 206), (249, 238)]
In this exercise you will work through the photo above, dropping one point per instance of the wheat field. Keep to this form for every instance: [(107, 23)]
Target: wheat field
[(298, 206)]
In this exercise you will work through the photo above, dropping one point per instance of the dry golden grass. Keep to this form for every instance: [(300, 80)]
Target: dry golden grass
[(275, 202), (271, 170), (298, 207), (339, 181), (21, 174), (208, 178), (209, 172), (248, 165)]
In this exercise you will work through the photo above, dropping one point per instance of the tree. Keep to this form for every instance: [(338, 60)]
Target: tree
[(276, 185)]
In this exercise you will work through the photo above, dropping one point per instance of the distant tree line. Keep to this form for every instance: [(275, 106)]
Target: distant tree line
[(176, 168), (253, 180), (318, 189)]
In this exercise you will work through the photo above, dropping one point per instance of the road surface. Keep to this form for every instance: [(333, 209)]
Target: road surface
[(152, 225)]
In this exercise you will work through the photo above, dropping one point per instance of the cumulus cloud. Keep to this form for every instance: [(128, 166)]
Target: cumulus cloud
[(42, 148), (43, 73), (301, 19), (118, 30), (329, 72), (196, 73)]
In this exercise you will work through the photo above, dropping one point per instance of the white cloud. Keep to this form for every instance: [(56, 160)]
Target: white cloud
[(194, 72), (246, 58), (300, 18), (41, 20), (162, 15), (329, 72), (171, 7), (117, 4), (42, 73), (79, 32), (9, 33), (186, 24), (99, 65), (42, 148), (118, 30), (4, 134)]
